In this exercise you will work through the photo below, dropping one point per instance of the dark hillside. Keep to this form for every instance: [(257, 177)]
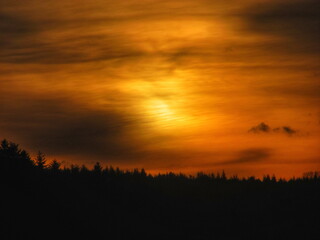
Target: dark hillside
[(41, 200)]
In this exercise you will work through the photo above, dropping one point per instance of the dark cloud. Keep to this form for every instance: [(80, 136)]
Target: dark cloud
[(264, 128), (60, 127), (44, 39), (251, 155), (14, 26), (296, 20), (285, 129)]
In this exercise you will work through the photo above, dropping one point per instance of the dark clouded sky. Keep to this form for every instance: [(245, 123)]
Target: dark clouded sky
[(176, 85)]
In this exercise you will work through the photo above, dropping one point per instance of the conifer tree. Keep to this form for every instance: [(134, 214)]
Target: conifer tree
[(41, 161)]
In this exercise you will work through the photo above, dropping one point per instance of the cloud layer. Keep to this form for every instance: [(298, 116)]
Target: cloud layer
[(163, 84)]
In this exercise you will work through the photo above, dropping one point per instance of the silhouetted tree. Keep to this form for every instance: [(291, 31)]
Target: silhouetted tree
[(251, 179), (218, 177), (97, 169), (266, 178), (84, 169), (75, 169), (111, 171), (54, 166), (14, 159), (223, 176), (40, 160), (143, 173)]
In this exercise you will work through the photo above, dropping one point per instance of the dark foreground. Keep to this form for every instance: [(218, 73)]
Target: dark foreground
[(45, 202)]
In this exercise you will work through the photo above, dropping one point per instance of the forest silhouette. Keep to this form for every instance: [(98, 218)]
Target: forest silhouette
[(42, 199)]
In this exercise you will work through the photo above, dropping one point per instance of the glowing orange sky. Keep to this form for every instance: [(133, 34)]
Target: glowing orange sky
[(164, 85)]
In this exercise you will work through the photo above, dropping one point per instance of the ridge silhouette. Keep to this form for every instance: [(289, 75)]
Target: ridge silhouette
[(42, 200)]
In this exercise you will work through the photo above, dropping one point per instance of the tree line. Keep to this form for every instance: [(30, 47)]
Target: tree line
[(43, 199), (18, 160)]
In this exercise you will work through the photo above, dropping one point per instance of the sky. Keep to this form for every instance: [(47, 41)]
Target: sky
[(178, 85)]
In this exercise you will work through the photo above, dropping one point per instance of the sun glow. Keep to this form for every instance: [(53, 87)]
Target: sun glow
[(161, 110), (165, 115), (163, 100)]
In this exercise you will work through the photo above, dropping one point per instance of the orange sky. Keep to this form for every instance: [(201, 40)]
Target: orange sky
[(164, 85)]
